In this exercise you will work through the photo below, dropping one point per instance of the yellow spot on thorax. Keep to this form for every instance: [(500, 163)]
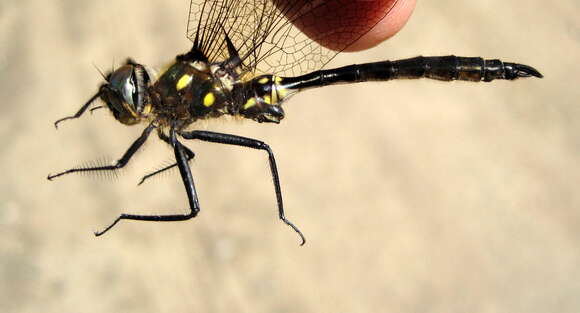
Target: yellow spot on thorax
[(209, 99), (183, 82), (263, 80)]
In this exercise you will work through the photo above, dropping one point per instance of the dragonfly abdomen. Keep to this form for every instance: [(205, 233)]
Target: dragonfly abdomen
[(446, 68)]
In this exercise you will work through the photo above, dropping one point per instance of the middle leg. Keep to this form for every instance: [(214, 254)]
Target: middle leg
[(189, 154)]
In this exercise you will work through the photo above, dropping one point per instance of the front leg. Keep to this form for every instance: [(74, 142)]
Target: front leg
[(119, 164), (184, 170), (254, 144)]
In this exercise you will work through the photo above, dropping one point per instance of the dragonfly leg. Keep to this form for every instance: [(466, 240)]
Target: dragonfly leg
[(254, 144), (79, 112), (189, 155), (119, 164), (185, 171)]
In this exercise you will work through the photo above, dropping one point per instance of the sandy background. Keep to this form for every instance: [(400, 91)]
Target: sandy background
[(414, 196)]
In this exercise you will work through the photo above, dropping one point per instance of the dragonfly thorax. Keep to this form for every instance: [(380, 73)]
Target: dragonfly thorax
[(194, 89), (188, 91)]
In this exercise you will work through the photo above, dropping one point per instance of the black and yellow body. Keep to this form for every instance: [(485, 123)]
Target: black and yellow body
[(192, 88)]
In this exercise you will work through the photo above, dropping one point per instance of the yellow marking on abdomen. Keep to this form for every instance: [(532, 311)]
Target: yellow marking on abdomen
[(274, 94), (279, 89), (250, 103), (183, 82), (282, 92)]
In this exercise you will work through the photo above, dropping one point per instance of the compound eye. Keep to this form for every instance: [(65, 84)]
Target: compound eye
[(117, 105), (122, 81)]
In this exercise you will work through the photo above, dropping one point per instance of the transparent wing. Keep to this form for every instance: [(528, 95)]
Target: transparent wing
[(285, 37)]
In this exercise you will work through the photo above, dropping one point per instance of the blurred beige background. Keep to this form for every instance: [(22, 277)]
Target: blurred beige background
[(414, 196)]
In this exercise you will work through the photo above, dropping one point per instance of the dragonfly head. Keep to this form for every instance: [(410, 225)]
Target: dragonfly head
[(126, 92)]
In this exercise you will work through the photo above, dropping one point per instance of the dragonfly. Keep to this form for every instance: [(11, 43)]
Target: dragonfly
[(247, 59)]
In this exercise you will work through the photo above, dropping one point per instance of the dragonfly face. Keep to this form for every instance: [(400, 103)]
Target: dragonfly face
[(126, 93)]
